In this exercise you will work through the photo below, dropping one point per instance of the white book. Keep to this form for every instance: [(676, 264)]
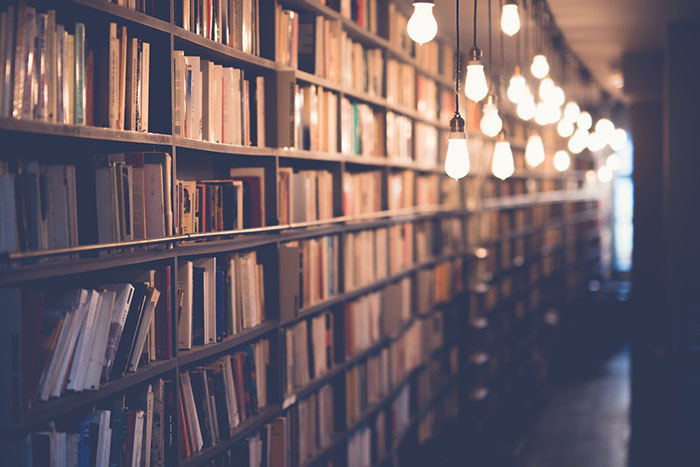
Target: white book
[(229, 106), (138, 439), (217, 99), (234, 413), (122, 303), (233, 295), (209, 265), (97, 354), (148, 429), (237, 97), (154, 199), (192, 71), (78, 371), (113, 98), (184, 329), (191, 411), (179, 72), (144, 326), (208, 103), (145, 84), (104, 439), (105, 191)]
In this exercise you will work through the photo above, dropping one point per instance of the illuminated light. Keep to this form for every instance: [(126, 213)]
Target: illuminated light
[(596, 142), (517, 87), (510, 19), (618, 139), (534, 151), (565, 128), (457, 157), (584, 121), (562, 160), (571, 112), (604, 174), (491, 122), (578, 141), (539, 67), (475, 85), (422, 27), (542, 114), (526, 108), (613, 162), (605, 128), (502, 165)]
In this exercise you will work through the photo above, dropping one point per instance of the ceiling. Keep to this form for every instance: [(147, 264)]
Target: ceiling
[(599, 32)]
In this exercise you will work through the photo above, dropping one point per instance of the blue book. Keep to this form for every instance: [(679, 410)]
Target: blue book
[(84, 447)]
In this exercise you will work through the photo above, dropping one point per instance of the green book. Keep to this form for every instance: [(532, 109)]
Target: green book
[(79, 104)]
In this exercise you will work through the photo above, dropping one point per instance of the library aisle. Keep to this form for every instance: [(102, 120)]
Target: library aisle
[(586, 421)]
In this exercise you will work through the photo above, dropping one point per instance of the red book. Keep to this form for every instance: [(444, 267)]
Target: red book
[(239, 381), (130, 436), (185, 450)]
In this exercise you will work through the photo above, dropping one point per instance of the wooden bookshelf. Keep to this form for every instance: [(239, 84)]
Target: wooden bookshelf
[(28, 268)]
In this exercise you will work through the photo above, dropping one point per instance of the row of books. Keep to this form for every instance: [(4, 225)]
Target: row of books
[(362, 192), (216, 398), (440, 237), (439, 284), (310, 273), (426, 97), (219, 298), (399, 137), (47, 72), (133, 196), (218, 103), (362, 12), (224, 204), (235, 23), (315, 119), (398, 35), (400, 83), (309, 350), (38, 206), (428, 189), (367, 444), (365, 385), (361, 129), (306, 195), (406, 353), (365, 257), (315, 421), (401, 189), (427, 144), (72, 340), (136, 433), (123, 79), (142, 6)]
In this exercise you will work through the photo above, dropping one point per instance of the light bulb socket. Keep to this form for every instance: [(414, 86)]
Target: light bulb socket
[(501, 135), (517, 70), (457, 124), (432, 2), (511, 2), (490, 99), (475, 54)]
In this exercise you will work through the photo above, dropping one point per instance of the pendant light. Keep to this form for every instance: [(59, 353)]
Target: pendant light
[(517, 88), (618, 139), (510, 19), (578, 141), (502, 165), (475, 86), (565, 128), (539, 67), (491, 122), (562, 161), (571, 112), (526, 108), (534, 150), (422, 27), (584, 121), (605, 128), (457, 157)]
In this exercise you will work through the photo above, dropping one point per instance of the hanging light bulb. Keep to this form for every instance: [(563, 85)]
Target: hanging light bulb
[(562, 160), (578, 141), (541, 114), (517, 88), (534, 151), (510, 19), (571, 112), (604, 174), (422, 27), (605, 128), (502, 165), (457, 158), (565, 128), (557, 96), (539, 67), (553, 112), (618, 139), (591, 176), (526, 108), (546, 88), (596, 142), (584, 121), (475, 86), (613, 162), (491, 122)]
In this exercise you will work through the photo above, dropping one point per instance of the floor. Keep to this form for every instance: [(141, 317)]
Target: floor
[(585, 422)]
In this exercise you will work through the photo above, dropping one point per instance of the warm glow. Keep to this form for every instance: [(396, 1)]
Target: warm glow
[(539, 67), (546, 88), (565, 128), (596, 142), (613, 162), (578, 141), (542, 114), (491, 123), (553, 112), (591, 177), (534, 151), (604, 174), (457, 158), (584, 121), (605, 128), (526, 108), (510, 20), (517, 88), (562, 160), (618, 139), (502, 165), (475, 86), (571, 112), (557, 96), (422, 26)]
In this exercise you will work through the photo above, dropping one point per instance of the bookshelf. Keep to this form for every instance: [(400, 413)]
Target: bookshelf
[(482, 261)]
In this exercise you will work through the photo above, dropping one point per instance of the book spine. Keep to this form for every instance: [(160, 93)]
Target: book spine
[(80, 101)]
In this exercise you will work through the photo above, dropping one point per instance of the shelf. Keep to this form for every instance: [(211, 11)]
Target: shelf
[(125, 13), (83, 132), (244, 429), (202, 352), (222, 148), (220, 51), (42, 412)]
